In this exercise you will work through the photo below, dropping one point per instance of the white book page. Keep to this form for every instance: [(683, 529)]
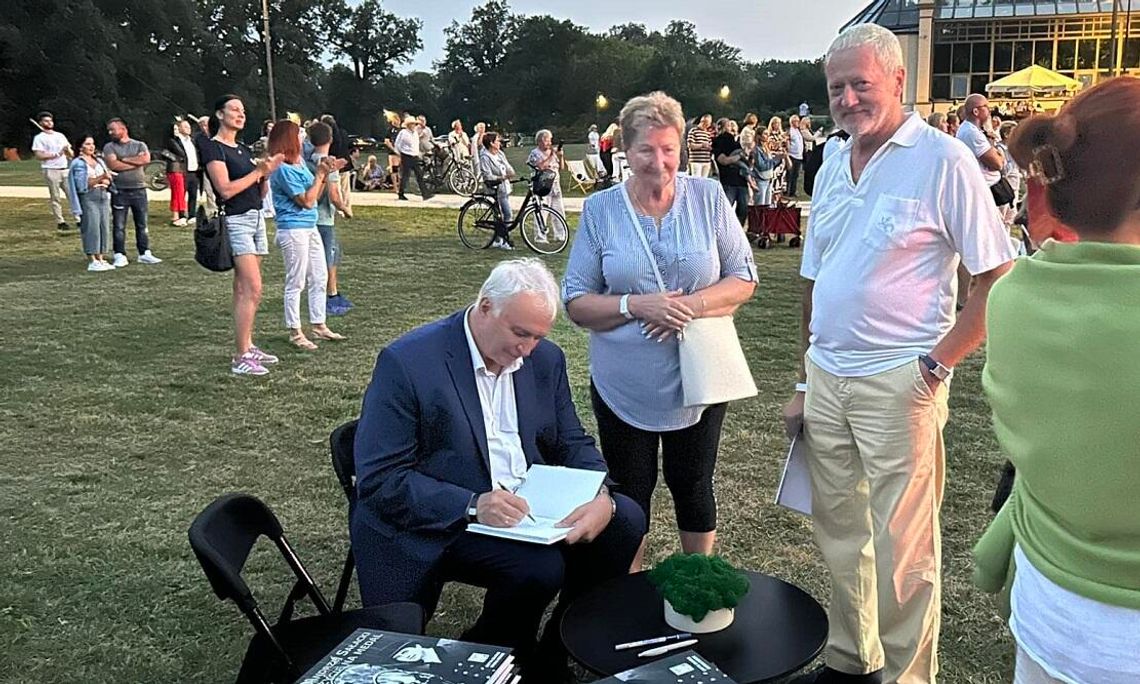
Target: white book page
[(553, 492), (794, 491)]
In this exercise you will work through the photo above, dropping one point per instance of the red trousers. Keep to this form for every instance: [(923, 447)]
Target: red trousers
[(177, 182)]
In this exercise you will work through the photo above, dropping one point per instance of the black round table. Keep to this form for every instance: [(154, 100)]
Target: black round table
[(778, 628)]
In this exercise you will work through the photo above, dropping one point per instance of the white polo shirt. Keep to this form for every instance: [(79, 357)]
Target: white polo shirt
[(883, 252), (979, 144)]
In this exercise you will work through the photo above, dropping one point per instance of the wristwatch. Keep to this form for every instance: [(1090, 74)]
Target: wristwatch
[(623, 307), (473, 509), (936, 369)]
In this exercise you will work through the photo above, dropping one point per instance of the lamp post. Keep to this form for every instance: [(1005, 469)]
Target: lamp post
[(269, 59)]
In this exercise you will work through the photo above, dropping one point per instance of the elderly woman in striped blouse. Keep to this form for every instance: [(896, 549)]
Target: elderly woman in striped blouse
[(611, 289)]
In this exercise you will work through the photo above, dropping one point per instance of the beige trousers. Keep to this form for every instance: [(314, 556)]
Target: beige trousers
[(877, 463), (56, 180)]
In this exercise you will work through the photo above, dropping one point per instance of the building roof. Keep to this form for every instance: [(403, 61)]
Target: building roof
[(902, 15)]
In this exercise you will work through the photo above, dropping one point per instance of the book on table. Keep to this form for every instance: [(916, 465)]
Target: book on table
[(379, 657), (686, 667), (552, 492)]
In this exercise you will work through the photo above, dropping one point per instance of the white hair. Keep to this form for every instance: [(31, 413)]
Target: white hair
[(544, 132), (518, 276), (885, 45), (653, 110)]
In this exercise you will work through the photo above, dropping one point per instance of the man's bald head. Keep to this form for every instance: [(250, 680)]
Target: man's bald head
[(977, 109)]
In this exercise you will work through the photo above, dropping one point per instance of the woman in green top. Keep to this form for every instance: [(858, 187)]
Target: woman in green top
[(1063, 376)]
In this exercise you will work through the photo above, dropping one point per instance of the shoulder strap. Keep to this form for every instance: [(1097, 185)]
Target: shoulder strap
[(641, 234)]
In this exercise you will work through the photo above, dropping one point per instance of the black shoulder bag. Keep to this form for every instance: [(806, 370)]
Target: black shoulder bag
[(211, 241)]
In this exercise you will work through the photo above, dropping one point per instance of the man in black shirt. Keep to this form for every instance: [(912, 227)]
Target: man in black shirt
[(731, 168)]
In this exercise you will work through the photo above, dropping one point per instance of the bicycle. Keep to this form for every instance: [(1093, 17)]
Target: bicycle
[(441, 169), (543, 229)]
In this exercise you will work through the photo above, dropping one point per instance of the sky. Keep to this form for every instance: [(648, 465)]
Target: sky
[(762, 29)]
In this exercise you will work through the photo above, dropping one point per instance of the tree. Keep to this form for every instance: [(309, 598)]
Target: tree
[(372, 39)]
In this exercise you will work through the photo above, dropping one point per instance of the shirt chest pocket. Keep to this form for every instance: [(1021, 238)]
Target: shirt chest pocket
[(892, 222)]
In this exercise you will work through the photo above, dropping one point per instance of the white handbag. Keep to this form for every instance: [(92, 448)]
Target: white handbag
[(713, 367)]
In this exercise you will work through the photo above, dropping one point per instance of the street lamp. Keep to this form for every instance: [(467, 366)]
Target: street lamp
[(725, 92), (601, 102)]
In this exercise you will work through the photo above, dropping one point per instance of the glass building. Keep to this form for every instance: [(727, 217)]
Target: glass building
[(955, 47)]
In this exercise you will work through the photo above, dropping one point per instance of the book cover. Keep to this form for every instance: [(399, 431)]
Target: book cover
[(685, 667), (370, 656)]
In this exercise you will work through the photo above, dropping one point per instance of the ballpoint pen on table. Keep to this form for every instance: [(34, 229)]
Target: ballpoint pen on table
[(650, 642), (506, 489), (661, 650)]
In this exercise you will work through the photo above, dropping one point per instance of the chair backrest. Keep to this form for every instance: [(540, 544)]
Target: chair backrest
[(222, 537), (340, 446), (578, 169)]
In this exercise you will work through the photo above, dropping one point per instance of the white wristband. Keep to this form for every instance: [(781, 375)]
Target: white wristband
[(801, 387)]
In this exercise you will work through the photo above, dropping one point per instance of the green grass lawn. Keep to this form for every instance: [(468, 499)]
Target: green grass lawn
[(23, 172), (121, 421)]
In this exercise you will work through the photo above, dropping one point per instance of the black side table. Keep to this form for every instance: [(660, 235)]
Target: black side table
[(778, 628)]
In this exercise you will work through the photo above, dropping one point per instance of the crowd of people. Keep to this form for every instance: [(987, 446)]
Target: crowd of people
[(906, 214)]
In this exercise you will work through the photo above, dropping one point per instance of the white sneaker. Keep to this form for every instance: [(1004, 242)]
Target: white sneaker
[(120, 260), (148, 258), (179, 222), (541, 238), (95, 266)]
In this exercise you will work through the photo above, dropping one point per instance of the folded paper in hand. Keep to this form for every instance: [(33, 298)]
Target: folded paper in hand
[(552, 492), (794, 491)]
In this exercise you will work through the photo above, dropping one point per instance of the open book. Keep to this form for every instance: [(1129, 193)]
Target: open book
[(552, 492)]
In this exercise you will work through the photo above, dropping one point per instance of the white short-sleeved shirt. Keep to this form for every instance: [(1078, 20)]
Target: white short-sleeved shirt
[(883, 252), (52, 142), (979, 144)]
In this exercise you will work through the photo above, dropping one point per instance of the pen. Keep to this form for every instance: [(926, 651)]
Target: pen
[(504, 488), (661, 650), (650, 642)]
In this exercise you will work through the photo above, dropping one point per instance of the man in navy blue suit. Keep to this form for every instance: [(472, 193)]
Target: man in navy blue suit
[(456, 412)]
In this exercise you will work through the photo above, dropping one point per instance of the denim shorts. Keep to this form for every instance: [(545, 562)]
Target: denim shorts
[(247, 233), (332, 245)]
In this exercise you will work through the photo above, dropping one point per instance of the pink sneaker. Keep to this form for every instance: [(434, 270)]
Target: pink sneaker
[(265, 358), (248, 364)]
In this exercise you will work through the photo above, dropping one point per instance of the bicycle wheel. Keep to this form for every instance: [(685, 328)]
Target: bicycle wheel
[(461, 180), (155, 176), (543, 229), (477, 221)]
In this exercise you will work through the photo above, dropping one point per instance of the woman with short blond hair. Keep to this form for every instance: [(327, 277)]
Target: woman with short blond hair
[(611, 290)]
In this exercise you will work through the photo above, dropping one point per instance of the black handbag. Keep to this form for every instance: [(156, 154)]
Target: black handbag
[(1002, 192), (212, 243)]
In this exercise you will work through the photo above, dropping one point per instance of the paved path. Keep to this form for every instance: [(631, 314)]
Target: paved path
[(359, 199)]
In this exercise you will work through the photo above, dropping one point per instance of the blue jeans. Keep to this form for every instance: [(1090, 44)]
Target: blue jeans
[(133, 199), (738, 198), (96, 206)]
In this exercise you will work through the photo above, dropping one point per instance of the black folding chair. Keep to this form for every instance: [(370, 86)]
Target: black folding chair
[(344, 465), (222, 537)]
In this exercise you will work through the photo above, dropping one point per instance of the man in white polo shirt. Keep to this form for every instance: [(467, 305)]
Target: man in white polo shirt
[(894, 210), (52, 149), (981, 142)]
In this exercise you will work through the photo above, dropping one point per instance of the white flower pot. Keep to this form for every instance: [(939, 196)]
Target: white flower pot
[(714, 621)]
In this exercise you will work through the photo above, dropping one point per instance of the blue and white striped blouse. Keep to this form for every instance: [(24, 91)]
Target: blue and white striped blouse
[(699, 243)]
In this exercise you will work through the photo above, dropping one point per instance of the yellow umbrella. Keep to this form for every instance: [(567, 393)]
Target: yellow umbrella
[(1031, 81)]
